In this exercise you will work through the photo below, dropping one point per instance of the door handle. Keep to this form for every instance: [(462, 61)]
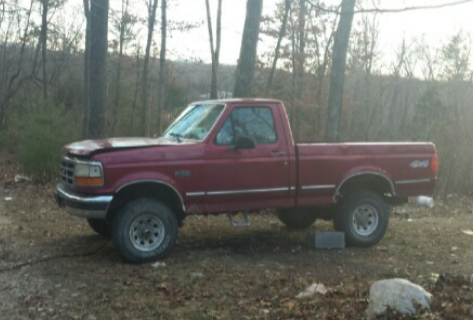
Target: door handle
[(278, 153)]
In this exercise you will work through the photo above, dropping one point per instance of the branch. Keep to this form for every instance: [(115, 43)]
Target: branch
[(379, 10)]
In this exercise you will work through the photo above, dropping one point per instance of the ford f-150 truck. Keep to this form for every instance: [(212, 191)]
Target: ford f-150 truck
[(230, 156)]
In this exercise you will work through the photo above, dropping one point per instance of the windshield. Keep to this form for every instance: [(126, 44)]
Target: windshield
[(195, 122)]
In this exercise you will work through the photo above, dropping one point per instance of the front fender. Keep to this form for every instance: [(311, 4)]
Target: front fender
[(148, 176)]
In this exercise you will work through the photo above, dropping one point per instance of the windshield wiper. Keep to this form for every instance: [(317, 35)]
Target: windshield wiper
[(177, 136)]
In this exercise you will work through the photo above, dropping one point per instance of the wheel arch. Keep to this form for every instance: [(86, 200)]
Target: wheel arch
[(155, 189), (375, 181)]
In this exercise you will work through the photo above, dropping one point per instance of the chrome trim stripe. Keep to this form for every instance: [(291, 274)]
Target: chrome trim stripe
[(216, 193), (412, 181), (319, 186), (293, 188), (195, 194), (76, 198)]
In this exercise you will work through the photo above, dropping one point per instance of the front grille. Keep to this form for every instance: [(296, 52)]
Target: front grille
[(66, 171)]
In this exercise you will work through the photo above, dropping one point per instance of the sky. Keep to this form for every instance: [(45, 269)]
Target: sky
[(434, 25)]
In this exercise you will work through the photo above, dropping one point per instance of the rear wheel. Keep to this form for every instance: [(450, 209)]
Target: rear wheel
[(100, 226), (297, 219), (144, 230), (364, 217)]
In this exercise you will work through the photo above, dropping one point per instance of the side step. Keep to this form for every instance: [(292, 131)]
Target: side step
[(244, 223)]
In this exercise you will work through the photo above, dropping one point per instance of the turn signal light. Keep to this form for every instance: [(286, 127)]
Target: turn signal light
[(434, 166), (85, 181)]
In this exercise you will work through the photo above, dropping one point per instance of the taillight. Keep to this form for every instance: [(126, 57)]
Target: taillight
[(434, 165)]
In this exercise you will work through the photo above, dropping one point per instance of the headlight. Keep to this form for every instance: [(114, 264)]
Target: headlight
[(88, 174)]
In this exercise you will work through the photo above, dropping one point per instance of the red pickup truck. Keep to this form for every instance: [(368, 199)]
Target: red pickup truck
[(230, 156)]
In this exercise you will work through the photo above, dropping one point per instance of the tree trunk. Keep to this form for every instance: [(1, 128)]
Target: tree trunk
[(44, 40), (320, 76), (337, 75), (294, 71), (300, 73), (116, 102), (282, 33), (215, 53), (162, 64), (144, 80), (249, 44), (98, 66), (86, 93)]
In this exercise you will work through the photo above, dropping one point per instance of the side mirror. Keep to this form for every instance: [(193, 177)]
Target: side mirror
[(244, 143)]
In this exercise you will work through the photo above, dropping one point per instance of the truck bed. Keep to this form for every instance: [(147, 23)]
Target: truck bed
[(323, 168)]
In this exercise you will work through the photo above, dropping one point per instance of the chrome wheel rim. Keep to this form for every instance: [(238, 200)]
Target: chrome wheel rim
[(365, 220), (147, 233)]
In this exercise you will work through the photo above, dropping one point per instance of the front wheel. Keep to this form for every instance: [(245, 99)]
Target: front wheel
[(144, 230), (364, 217)]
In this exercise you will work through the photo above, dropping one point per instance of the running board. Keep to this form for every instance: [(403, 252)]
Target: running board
[(244, 223)]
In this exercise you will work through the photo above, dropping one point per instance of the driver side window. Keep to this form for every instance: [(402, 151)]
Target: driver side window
[(253, 122)]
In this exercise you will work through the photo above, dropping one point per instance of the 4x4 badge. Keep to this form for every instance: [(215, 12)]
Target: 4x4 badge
[(182, 173), (420, 164)]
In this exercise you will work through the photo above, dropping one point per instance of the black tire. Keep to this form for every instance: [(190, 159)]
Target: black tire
[(144, 230), (296, 219), (101, 227), (364, 217)]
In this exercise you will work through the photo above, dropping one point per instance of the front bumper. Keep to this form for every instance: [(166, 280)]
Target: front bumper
[(91, 207)]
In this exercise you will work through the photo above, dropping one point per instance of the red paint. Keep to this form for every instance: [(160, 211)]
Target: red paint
[(215, 169)]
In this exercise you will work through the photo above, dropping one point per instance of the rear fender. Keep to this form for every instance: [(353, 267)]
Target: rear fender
[(365, 171)]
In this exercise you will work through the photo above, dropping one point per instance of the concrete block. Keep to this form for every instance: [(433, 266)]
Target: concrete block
[(326, 240)]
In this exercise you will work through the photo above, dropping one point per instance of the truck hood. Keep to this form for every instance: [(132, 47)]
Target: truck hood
[(91, 147)]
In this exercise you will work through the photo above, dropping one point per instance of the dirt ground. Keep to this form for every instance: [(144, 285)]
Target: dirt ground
[(52, 266)]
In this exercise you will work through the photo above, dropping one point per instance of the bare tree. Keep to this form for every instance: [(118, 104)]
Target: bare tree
[(337, 75), (215, 52), (152, 6), (282, 34), (86, 90), (12, 80), (427, 57), (293, 66), (249, 44), (323, 30), (162, 63), (300, 68), (122, 28), (44, 41), (96, 59), (456, 54)]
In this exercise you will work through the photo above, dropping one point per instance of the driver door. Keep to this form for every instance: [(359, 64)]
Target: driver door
[(248, 179)]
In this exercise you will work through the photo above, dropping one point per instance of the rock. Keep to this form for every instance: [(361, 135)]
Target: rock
[(197, 274), (158, 265), (91, 317), (313, 289), (399, 295), (19, 178)]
